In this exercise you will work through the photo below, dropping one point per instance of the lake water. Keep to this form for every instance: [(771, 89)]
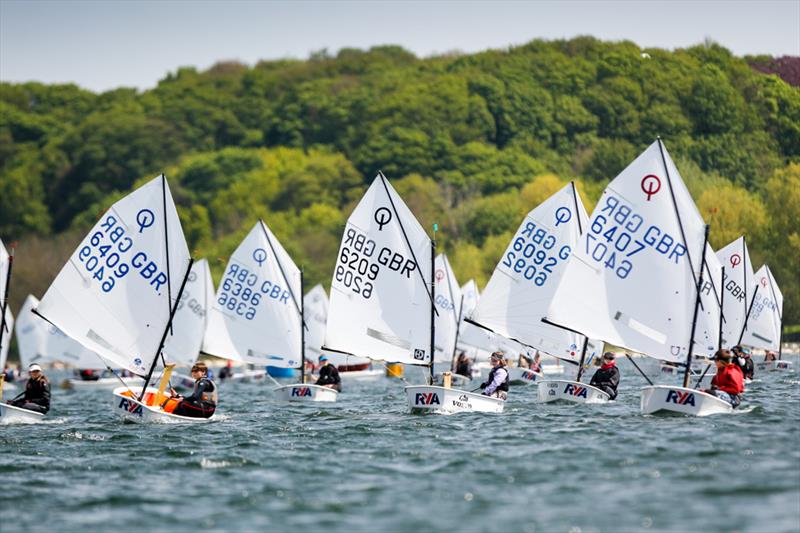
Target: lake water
[(366, 464)]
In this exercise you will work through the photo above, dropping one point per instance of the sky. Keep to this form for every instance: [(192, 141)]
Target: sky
[(105, 44)]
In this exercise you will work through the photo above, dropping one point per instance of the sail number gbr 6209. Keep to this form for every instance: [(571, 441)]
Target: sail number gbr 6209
[(360, 262)]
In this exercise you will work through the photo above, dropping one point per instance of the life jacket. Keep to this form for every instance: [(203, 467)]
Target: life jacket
[(208, 396), (504, 385), (729, 379)]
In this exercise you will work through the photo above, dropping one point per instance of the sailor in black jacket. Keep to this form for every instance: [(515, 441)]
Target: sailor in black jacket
[(203, 401), (37, 392), (607, 376), (329, 375)]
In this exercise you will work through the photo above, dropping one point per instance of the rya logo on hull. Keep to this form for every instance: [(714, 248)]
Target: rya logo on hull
[(680, 398), (575, 390), (301, 392), (427, 398)]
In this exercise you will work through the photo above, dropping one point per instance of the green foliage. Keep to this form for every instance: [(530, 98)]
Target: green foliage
[(471, 142)]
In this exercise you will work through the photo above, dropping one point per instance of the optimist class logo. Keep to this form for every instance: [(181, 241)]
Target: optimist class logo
[(736, 259), (439, 275), (651, 184), (763, 282)]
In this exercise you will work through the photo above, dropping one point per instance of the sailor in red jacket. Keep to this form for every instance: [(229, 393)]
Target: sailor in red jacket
[(728, 383)]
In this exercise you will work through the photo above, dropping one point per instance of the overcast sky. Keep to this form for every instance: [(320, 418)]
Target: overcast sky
[(101, 45)]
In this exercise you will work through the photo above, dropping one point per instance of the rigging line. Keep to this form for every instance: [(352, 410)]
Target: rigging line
[(408, 243), (280, 266)]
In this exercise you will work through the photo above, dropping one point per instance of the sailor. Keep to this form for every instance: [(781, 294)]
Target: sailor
[(770, 356), (606, 378), (227, 371), (464, 366), (203, 401), (328, 375), (749, 367), (88, 374), (36, 396), (536, 366), (728, 383), (496, 385)]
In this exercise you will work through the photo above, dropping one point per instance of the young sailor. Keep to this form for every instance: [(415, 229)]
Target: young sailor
[(749, 367), (464, 365), (203, 401), (728, 383), (496, 385), (36, 396), (328, 375), (606, 378)]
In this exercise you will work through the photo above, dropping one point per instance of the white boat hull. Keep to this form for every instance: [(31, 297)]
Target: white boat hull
[(522, 376), (358, 375), (129, 408), (548, 370), (10, 414), (439, 400), (299, 392), (682, 400), (103, 383), (768, 366), (553, 390)]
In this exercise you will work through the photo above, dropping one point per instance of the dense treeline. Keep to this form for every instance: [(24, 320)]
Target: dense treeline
[(472, 142)]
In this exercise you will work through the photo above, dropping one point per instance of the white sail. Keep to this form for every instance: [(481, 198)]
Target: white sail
[(766, 313), (738, 283), (255, 316), (9, 321), (41, 342), (115, 293), (189, 324), (524, 281), (474, 340), (380, 298), (706, 336), (632, 281), (315, 304), (447, 298)]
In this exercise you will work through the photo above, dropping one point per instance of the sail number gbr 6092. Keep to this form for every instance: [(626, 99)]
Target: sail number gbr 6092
[(360, 262)]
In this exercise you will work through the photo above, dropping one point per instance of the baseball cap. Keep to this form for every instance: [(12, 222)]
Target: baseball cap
[(34, 367), (323, 357)]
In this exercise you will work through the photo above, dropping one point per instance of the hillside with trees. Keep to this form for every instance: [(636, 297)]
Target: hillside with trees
[(472, 142)]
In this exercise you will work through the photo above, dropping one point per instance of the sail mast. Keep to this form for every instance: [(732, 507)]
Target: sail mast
[(168, 327), (302, 332), (774, 299), (5, 297), (458, 327), (688, 368), (433, 289), (721, 314), (583, 358)]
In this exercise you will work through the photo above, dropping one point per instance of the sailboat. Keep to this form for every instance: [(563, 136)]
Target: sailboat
[(764, 325), (383, 294), (522, 287), (634, 280), (9, 414), (258, 314), (118, 294), (738, 285), (449, 307)]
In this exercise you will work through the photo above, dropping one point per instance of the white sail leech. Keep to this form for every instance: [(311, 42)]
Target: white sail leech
[(255, 316), (525, 280), (766, 312), (114, 295), (448, 306), (630, 281), (380, 293), (739, 285), (182, 346)]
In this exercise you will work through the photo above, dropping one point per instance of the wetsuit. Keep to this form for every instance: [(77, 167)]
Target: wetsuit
[(606, 378), (203, 401), (225, 373), (497, 383), (464, 368), (36, 396), (328, 375)]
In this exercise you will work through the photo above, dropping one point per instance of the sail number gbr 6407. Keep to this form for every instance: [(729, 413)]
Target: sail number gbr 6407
[(360, 262)]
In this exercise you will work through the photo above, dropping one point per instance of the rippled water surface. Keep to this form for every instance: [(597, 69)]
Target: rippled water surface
[(365, 464)]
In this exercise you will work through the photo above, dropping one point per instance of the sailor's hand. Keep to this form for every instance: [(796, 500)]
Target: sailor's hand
[(483, 385)]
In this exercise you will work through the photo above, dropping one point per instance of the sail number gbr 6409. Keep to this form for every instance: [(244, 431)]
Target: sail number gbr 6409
[(360, 262)]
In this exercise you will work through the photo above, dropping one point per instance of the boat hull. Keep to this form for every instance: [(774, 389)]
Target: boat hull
[(358, 375), (768, 366), (439, 400), (130, 409), (522, 376), (663, 398), (299, 392), (10, 414), (555, 390)]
